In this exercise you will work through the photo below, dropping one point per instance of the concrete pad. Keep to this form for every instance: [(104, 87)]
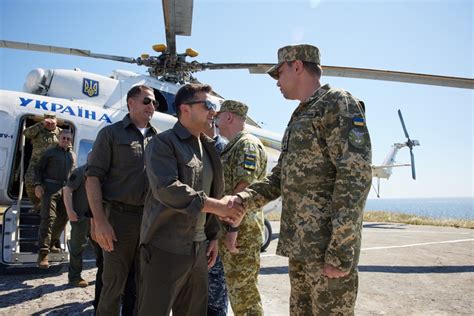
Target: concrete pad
[(404, 270)]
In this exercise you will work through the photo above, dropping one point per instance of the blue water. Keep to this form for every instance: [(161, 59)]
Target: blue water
[(438, 208)]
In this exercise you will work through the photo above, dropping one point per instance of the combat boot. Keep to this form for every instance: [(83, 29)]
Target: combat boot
[(43, 262), (55, 249)]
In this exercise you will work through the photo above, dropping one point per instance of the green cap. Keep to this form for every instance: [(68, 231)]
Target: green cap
[(233, 106), (301, 52), (49, 116)]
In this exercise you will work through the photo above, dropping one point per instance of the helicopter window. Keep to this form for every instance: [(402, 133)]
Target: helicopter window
[(14, 181), (162, 103), (85, 146)]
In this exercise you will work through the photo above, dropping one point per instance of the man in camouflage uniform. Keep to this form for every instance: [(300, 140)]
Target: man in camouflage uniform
[(42, 136), (324, 176), (244, 161)]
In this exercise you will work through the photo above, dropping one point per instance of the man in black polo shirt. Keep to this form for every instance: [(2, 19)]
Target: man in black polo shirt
[(51, 174), (116, 185)]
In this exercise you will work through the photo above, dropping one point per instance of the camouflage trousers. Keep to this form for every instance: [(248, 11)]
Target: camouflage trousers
[(30, 185), (241, 276), (314, 294), (217, 291)]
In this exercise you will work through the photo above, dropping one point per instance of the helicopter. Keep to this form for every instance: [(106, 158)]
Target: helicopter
[(85, 102), (384, 171)]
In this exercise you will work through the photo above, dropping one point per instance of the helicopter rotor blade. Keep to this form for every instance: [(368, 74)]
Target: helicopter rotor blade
[(178, 21), (403, 124), (398, 76), (63, 50), (362, 73), (412, 156)]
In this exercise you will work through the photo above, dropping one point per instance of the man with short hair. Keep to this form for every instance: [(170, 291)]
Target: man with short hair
[(75, 201), (116, 186), (244, 160), (42, 135), (186, 179), (324, 176), (51, 174)]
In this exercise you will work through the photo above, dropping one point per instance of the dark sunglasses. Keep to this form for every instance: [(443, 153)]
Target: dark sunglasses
[(208, 104), (66, 138), (147, 101)]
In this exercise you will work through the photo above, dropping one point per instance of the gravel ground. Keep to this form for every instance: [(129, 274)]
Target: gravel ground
[(404, 270)]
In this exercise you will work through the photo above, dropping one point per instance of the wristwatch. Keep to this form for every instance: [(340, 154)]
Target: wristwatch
[(231, 229)]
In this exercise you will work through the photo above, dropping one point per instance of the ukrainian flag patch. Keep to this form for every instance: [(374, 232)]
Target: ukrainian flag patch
[(250, 161), (358, 121)]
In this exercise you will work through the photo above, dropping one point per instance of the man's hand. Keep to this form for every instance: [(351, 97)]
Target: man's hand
[(232, 203), (212, 251), (72, 215), (232, 215), (231, 242), (333, 272), (39, 191), (92, 232), (235, 200), (105, 235)]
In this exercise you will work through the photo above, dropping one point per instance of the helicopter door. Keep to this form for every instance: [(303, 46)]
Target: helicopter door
[(14, 180)]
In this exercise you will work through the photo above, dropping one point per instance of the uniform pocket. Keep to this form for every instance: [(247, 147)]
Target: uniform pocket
[(129, 152)]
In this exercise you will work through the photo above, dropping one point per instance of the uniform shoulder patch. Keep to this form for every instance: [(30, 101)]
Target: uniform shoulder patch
[(358, 121), (250, 161), (357, 138)]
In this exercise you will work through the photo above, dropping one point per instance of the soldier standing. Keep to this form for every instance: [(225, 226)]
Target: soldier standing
[(116, 186), (51, 174), (244, 161), (324, 177), (42, 135)]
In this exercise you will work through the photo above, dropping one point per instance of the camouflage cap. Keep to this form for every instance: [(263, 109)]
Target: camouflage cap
[(301, 52), (49, 116), (233, 106)]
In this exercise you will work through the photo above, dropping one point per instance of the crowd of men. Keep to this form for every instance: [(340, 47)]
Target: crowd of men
[(176, 218)]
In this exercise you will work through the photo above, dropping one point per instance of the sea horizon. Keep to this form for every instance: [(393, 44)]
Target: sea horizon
[(437, 207)]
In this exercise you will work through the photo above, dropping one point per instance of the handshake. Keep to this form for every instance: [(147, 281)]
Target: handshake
[(229, 209)]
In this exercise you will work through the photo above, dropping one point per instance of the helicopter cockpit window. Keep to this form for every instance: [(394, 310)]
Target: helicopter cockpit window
[(15, 178)]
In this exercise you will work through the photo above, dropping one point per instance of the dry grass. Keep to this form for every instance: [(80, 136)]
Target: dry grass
[(390, 217)]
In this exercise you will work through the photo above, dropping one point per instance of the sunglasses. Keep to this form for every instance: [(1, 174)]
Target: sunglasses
[(208, 104), (66, 138), (147, 101)]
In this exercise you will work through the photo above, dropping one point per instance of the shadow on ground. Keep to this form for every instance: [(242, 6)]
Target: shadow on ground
[(387, 269)]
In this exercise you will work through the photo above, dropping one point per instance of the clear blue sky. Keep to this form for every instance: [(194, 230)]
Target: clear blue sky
[(434, 37)]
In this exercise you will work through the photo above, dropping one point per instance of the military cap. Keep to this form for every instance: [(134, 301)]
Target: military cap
[(233, 106), (49, 116), (301, 52)]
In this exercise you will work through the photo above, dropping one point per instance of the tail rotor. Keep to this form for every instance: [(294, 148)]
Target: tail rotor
[(410, 144)]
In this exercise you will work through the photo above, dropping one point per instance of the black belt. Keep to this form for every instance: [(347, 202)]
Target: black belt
[(126, 207), (55, 181)]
